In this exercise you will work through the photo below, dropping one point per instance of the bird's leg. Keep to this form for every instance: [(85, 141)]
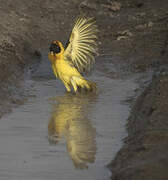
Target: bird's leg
[(74, 85), (67, 87)]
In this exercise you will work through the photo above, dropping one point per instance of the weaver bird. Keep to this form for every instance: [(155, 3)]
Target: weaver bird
[(77, 57)]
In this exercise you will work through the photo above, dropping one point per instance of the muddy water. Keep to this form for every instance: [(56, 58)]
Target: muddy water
[(58, 135)]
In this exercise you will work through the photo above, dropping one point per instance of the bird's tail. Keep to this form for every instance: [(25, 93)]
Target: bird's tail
[(78, 82)]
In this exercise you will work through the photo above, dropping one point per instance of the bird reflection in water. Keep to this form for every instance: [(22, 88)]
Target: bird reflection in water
[(70, 119)]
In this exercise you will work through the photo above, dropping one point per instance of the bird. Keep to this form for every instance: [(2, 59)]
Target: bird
[(69, 63)]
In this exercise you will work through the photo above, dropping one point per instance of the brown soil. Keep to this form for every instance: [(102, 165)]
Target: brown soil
[(27, 28), (133, 31), (144, 154)]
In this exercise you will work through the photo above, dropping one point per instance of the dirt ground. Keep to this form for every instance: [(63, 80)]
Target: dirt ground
[(144, 154), (133, 31)]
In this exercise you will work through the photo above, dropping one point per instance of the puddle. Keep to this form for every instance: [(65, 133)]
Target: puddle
[(58, 135)]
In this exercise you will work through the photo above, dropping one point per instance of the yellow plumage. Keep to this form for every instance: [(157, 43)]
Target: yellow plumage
[(69, 63)]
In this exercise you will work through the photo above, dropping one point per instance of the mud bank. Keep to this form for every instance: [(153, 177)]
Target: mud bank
[(26, 29), (144, 155)]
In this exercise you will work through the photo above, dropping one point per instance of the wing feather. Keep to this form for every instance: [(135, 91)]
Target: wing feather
[(82, 46)]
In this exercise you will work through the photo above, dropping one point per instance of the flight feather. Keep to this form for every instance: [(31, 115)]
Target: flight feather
[(82, 46)]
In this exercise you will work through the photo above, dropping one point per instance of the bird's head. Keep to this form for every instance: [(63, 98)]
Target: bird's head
[(56, 48)]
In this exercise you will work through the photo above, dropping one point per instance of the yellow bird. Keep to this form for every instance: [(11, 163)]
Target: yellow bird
[(77, 57)]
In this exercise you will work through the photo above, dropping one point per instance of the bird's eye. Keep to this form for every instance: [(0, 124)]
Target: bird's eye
[(55, 48)]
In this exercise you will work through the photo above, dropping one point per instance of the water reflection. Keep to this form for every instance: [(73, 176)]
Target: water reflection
[(70, 119)]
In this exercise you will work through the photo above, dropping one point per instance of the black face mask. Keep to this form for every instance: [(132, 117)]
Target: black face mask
[(55, 48)]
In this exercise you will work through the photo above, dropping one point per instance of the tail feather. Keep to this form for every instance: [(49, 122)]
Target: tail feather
[(83, 83)]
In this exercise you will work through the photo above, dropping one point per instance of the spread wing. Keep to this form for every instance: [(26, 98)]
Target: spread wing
[(82, 46)]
